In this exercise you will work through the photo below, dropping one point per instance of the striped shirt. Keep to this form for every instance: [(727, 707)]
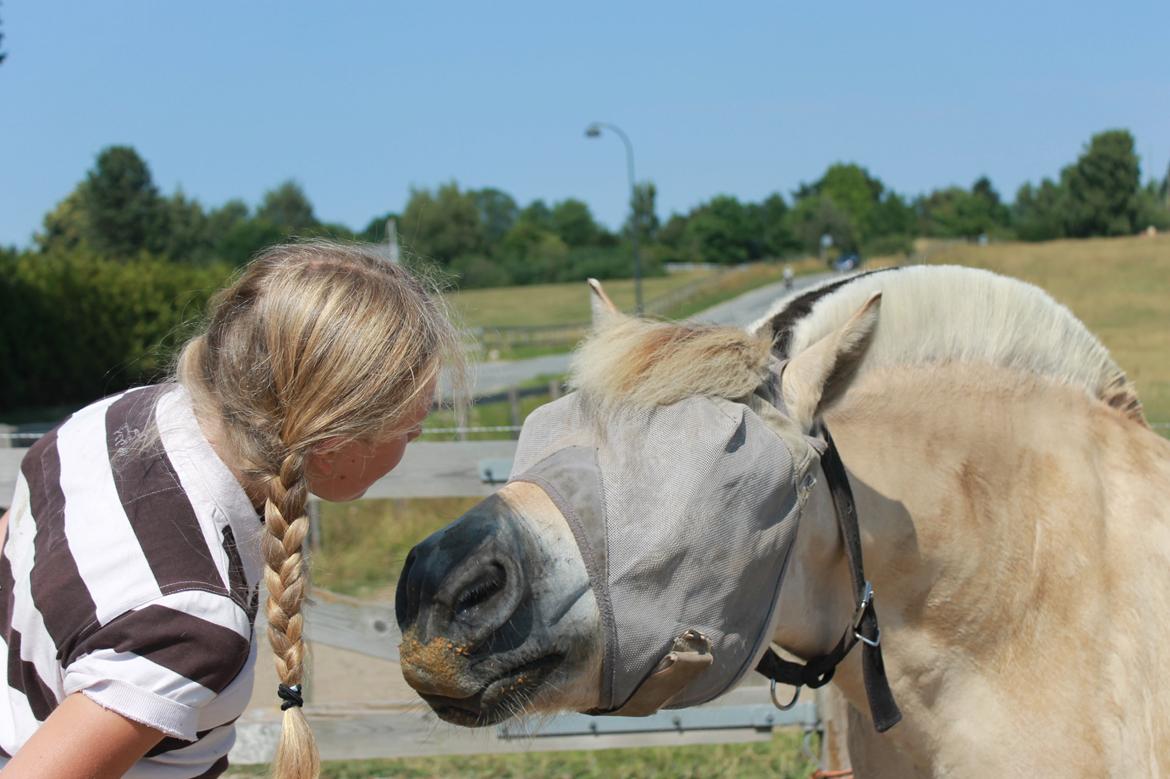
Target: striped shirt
[(130, 574)]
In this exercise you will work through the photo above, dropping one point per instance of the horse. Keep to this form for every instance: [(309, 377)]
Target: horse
[(1014, 516)]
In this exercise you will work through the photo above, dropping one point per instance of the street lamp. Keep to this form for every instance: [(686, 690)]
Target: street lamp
[(594, 131)]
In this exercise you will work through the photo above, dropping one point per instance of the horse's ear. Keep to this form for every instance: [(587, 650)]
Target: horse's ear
[(603, 308), (819, 376)]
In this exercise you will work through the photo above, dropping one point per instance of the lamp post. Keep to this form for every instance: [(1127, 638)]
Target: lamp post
[(594, 131)]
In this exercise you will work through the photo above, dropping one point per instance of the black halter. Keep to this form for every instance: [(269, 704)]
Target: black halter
[(863, 628)]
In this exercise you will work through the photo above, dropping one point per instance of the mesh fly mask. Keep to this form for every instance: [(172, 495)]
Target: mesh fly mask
[(685, 516)]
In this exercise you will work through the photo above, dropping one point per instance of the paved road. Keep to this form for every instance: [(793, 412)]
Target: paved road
[(752, 305), (493, 377)]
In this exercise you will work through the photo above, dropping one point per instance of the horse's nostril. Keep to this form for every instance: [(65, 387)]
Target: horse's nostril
[(406, 597), (483, 587)]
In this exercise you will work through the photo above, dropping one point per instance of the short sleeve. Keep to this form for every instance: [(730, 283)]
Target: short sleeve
[(160, 663)]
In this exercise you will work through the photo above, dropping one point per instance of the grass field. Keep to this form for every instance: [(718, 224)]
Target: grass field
[(553, 304), (779, 758), (1119, 287)]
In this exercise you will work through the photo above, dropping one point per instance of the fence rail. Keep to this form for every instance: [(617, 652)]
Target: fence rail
[(407, 729)]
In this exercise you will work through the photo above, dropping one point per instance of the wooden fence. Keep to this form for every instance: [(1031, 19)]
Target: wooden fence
[(408, 729), (348, 731)]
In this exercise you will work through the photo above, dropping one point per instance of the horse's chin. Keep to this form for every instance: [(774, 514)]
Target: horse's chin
[(505, 696)]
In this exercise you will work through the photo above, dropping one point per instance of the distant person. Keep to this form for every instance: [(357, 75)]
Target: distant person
[(142, 525), (789, 277)]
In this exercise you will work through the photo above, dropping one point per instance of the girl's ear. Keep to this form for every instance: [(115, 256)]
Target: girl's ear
[(320, 459)]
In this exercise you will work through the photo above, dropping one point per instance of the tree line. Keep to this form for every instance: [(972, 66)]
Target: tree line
[(118, 267), (484, 237)]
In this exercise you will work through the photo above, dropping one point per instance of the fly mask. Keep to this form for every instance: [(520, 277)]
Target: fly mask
[(685, 516)]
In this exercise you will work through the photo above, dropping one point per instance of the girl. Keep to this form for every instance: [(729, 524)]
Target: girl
[(141, 526)]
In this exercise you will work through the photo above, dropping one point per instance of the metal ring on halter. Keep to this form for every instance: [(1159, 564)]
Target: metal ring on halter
[(874, 642), (784, 706)]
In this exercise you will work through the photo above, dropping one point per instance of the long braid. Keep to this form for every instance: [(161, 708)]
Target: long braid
[(286, 578), (313, 346)]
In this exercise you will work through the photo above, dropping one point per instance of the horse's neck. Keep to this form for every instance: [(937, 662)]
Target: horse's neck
[(984, 504)]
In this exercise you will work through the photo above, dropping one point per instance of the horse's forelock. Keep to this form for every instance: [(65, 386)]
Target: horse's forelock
[(637, 363)]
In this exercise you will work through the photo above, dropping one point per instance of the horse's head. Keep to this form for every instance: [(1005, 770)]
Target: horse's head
[(635, 558)]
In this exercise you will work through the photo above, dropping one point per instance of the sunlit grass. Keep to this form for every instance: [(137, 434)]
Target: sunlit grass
[(554, 304), (779, 758), (364, 544)]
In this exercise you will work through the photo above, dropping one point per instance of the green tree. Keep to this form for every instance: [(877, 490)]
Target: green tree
[(224, 228), (817, 215), (675, 243), (497, 213), (538, 214), (442, 225), (852, 190), (1152, 208), (643, 212), (776, 231), (722, 231), (1103, 186), (187, 237), (572, 221), (123, 210), (66, 227), (955, 212), (893, 216), (287, 207), (1039, 212)]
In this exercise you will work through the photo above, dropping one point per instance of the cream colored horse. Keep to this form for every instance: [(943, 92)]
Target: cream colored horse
[(1015, 519)]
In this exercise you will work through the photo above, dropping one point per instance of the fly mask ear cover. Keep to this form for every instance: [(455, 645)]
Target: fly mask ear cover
[(684, 515)]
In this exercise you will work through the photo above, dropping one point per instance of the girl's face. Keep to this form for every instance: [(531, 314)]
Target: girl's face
[(347, 471)]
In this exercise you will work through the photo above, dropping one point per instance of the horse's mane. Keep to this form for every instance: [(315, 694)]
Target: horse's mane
[(933, 314), (638, 363), (930, 314)]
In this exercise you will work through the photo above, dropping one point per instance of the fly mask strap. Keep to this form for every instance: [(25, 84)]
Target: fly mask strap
[(864, 626)]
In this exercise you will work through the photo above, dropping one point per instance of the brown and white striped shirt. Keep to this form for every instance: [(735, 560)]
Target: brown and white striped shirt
[(130, 574)]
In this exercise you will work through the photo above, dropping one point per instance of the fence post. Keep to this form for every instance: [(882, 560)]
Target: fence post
[(554, 389), (514, 409), (460, 420), (313, 509)]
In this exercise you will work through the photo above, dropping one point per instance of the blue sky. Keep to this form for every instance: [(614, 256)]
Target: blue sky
[(359, 101)]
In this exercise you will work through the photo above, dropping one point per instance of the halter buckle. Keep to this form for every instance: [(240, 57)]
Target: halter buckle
[(862, 607), (866, 602)]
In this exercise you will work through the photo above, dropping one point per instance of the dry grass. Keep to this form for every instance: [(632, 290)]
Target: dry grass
[(554, 304), (551, 304), (779, 758), (1119, 287), (364, 544)]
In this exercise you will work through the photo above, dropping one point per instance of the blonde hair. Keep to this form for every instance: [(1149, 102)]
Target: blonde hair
[(315, 344)]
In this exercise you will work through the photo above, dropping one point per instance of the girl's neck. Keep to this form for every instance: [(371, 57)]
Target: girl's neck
[(213, 431)]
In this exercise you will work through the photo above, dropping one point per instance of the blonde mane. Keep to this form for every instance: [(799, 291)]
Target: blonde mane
[(930, 314), (933, 314), (637, 363)]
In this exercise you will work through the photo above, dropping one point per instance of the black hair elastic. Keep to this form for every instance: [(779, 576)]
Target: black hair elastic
[(290, 695)]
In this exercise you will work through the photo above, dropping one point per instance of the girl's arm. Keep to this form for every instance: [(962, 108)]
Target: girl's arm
[(81, 740)]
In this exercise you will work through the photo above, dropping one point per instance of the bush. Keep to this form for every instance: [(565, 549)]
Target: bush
[(77, 327)]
